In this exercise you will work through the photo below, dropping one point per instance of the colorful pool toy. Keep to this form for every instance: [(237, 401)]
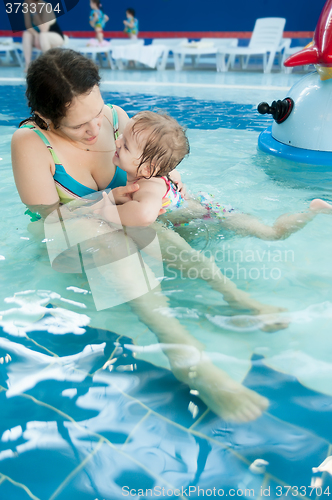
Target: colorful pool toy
[(302, 128)]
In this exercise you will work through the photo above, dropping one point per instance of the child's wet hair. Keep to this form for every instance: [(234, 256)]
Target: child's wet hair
[(166, 143), (131, 11)]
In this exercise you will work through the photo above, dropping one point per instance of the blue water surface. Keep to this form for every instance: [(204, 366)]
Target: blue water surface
[(212, 114)]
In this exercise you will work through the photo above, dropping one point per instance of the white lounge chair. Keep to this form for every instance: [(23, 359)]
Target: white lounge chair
[(10, 50), (126, 41), (121, 47), (203, 47), (151, 56), (88, 47), (265, 41), (170, 43), (289, 51)]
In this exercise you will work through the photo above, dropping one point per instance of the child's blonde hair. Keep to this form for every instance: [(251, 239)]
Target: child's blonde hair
[(166, 143)]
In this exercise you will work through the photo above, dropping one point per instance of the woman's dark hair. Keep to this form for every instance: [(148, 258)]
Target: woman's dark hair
[(54, 79), (131, 11)]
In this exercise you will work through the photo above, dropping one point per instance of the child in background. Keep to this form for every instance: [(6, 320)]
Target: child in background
[(131, 24), (151, 146), (97, 19)]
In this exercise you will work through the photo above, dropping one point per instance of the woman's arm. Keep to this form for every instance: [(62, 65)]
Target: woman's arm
[(46, 26), (32, 168), (45, 19)]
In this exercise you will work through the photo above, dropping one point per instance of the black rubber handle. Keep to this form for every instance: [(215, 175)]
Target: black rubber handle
[(280, 110)]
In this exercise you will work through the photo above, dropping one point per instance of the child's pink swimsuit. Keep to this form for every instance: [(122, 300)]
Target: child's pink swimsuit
[(173, 200)]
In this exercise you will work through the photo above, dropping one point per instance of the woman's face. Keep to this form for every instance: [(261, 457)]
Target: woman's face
[(84, 118)]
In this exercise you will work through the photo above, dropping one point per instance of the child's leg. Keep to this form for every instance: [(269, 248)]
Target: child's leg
[(283, 227), (320, 206), (248, 225), (99, 34), (193, 209)]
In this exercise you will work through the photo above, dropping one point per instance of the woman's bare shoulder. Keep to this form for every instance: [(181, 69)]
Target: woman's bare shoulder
[(25, 136), (32, 169), (28, 147)]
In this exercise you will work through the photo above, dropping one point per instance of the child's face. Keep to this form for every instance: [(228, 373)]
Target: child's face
[(129, 149), (93, 5), (129, 16)]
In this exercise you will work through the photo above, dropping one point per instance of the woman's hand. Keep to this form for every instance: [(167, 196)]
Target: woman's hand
[(103, 206), (122, 194)]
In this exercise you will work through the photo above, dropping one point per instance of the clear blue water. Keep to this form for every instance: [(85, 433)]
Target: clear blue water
[(87, 414)]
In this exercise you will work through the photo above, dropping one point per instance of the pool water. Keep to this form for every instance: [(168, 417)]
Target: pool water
[(88, 411)]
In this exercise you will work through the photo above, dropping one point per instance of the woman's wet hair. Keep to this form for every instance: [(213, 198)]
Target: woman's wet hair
[(54, 79), (165, 143)]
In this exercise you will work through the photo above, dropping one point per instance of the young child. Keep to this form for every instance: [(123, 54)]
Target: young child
[(131, 24), (151, 146), (97, 19)]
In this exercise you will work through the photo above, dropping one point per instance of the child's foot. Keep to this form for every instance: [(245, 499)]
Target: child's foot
[(271, 319), (93, 42), (321, 206), (225, 397)]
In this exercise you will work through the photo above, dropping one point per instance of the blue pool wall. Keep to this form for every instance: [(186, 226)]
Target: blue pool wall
[(191, 15)]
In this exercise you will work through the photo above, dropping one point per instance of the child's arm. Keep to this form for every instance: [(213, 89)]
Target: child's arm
[(93, 19), (129, 24), (142, 210), (175, 176), (176, 179)]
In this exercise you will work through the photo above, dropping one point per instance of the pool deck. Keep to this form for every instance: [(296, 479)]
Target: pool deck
[(194, 83)]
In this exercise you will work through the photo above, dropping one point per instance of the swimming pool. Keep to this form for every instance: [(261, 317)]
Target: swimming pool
[(87, 412)]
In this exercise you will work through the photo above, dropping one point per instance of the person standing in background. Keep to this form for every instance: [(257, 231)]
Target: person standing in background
[(97, 19), (131, 24)]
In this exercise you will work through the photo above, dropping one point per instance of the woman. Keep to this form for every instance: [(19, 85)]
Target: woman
[(64, 152), (42, 29)]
